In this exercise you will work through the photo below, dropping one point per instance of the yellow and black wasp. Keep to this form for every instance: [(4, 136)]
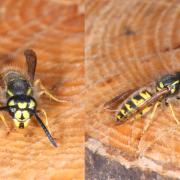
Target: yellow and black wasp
[(135, 103), (18, 91)]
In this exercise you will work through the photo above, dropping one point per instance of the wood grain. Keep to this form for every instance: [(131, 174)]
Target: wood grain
[(130, 44), (55, 30)]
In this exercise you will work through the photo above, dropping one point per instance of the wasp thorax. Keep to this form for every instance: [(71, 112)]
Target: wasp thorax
[(21, 109)]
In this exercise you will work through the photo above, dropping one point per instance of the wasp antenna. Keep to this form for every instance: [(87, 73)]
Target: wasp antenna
[(3, 108), (31, 60), (45, 130)]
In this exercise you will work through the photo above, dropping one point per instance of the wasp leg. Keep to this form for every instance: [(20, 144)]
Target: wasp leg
[(46, 119), (151, 118), (172, 111), (4, 121), (46, 92)]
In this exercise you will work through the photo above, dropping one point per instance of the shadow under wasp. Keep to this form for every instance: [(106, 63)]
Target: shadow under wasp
[(19, 96), (136, 103)]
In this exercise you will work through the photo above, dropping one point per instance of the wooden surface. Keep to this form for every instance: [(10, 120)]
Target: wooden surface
[(55, 30), (101, 167), (130, 44)]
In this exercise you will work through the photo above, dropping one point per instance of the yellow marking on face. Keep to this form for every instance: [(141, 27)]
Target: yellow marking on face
[(173, 88), (25, 114), (31, 104), (118, 117), (11, 103), (17, 123), (145, 95), (17, 114), (26, 123), (22, 105), (137, 102), (10, 93), (29, 91), (128, 107), (161, 85)]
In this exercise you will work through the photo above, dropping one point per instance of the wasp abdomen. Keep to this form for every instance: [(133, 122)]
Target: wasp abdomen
[(131, 105)]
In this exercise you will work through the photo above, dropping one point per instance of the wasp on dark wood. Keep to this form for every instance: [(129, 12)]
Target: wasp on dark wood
[(19, 96), (137, 103)]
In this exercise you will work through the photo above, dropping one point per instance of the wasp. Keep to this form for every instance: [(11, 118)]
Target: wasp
[(137, 103), (19, 96)]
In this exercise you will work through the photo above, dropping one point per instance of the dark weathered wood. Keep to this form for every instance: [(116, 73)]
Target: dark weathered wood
[(102, 168)]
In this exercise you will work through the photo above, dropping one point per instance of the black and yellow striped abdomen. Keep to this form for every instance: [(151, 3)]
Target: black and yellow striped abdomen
[(132, 104)]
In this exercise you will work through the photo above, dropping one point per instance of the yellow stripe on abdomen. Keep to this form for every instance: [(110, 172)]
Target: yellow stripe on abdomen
[(131, 105)]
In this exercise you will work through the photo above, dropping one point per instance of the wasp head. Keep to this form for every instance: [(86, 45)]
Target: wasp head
[(21, 108), (172, 82)]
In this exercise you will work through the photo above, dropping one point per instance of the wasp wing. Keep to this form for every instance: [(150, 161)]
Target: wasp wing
[(31, 60), (155, 97), (118, 99)]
